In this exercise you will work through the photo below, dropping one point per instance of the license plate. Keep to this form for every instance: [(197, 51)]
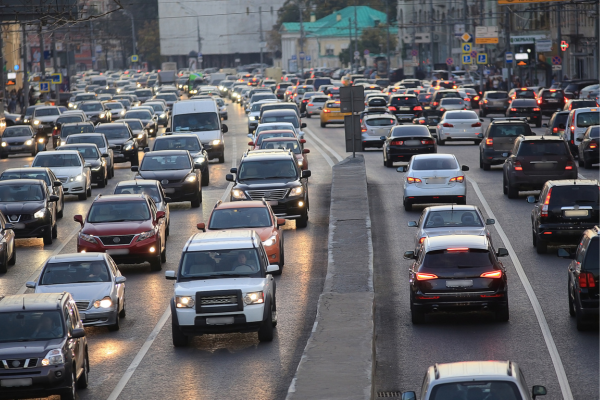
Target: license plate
[(169, 190), (459, 283), (19, 225), (219, 321), (544, 166), (82, 315), (16, 382), (436, 181), (117, 252), (576, 213), (412, 143), (552, 101), (404, 108), (16, 147), (504, 154)]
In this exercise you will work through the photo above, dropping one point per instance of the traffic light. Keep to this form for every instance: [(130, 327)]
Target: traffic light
[(564, 45)]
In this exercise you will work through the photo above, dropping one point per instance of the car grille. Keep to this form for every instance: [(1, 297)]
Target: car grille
[(82, 305), (217, 300), (16, 143), (19, 363), (116, 240), (168, 181), (275, 194)]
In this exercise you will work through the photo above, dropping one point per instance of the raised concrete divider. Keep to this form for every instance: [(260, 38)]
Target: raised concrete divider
[(338, 361)]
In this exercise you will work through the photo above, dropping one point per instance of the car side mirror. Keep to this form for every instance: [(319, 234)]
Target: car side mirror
[(160, 214), (280, 221), (201, 226), (77, 333), (303, 125), (30, 285), (305, 151), (409, 255), (53, 198), (464, 168), (233, 170), (105, 155), (56, 183), (250, 143), (490, 221), (170, 275), (531, 199), (409, 396), (224, 128), (306, 174), (168, 129), (564, 253), (120, 279), (78, 218), (168, 133), (167, 199), (229, 178), (538, 390), (481, 120), (413, 224), (146, 149), (250, 135), (272, 268), (302, 141), (402, 168), (135, 168), (502, 252)]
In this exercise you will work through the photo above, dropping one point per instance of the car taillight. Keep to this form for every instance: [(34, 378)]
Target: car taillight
[(310, 104), (418, 108), (410, 179), (397, 143), (458, 179), (392, 108), (475, 98), (447, 125), (489, 142), (569, 165), (586, 280), (513, 109), (554, 130), (421, 121), (539, 101), (536, 109), (518, 166), (421, 240), (467, 99), (326, 111), (427, 141), (477, 124), (544, 212), (305, 101), (593, 144), (435, 103), (491, 274), (363, 130), (485, 101), (422, 276)]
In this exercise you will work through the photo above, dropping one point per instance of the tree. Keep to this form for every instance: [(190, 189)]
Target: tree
[(149, 43), (372, 39)]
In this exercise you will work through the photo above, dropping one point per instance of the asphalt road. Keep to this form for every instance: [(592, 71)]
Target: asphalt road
[(234, 366), (405, 351)]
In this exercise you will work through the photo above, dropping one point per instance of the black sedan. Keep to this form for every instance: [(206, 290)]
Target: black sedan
[(148, 120), (176, 171), (18, 139), (405, 107), (190, 143), (31, 207), (588, 148), (8, 251), (526, 108), (405, 141), (122, 142), (92, 155), (45, 174)]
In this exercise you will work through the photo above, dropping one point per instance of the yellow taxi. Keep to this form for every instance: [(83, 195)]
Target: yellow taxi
[(331, 113)]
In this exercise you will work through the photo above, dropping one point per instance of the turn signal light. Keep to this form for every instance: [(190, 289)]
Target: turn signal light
[(485, 101), (492, 274), (421, 240), (586, 280), (422, 276), (458, 179), (489, 142), (413, 180), (593, 144), (518, 166)]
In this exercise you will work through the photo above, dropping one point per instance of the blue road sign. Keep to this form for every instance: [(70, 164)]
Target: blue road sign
[(293, 56), (449, 61), (482, 58), (466, 47), (509, 57), (56, 78), (308, 58), (135, 58), (556, 60), (44, 86), (302, 55), (466, 59), (17, 67)]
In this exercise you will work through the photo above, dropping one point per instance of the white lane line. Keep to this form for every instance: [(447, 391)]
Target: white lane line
[(325, 145), (537, 308), (140, 355), (323, 153), (55, 252), (581, 176)]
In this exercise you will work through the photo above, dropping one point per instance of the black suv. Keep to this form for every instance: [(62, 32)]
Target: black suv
[(405, 107), (187, 142), (122, 142), (551, 100), (493, 102), (535, 160), (498, 141), (564, 210), (583, 279), (43, 346), (273, 175), (526, 108)]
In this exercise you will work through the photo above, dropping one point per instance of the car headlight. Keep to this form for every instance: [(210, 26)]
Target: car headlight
[(191, 178), (77, 178), (40, 213), (184, 301), (297, 191), (140, 136), (129, 147), (36, 122), (151, 130), (254, 298), (87, 238), (122, 112), (146, 235), (300, 163), (238, 194), (4, 144), (215, 142), (199, 160), (270, 241), (252, 118), (104, 303), (41, 140), (102, 115), (163, 116), (26, 120), (29, 142), (71, 105), (54, 357), (118, 90)]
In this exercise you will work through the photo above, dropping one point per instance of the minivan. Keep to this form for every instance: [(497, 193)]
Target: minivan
[(201, 117)]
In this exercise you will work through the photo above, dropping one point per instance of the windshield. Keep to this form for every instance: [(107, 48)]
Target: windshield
[(460, 114), (118, 211), (74, 272), (539, 148), (21, 193), (165, 163), (167, 96), (90, 107), (506, 130), (66, 120), (143, 93), (57, 160), (179, 143), (151, 191), (476, 390), (259, 97), (281, 118), (114, 106), (207, 121), (591, 261), (82, 97), (232, 218), (453, 218), (380, 121), (69, 130), (16, 131), (120, 132), (26, 326), (76, 139), (141, 114), (283, 145), (220, 263), (585, 119), (44, 112), (428, 164), (8, 175), (135, 125), (88, 152), (267, 169), (156, 106)]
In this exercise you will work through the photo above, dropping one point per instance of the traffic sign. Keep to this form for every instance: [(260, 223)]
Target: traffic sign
[(449, 61), (473, 53), (482, 58), (366, 52), (56, 78), (473, 67), (44, 87), (135, 58), (308, 58), (356, 54), (556, 67), (466, 47), (414, 53), (302, 55), (16, 67), (466, 59), (556, 60), (293, 56), (466, 37), (508, 56)]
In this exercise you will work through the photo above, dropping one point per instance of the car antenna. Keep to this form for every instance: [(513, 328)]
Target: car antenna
[(23, 302)]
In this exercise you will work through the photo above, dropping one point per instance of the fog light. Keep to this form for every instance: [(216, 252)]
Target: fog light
[(152, 249), (300, 204), (58, 374)]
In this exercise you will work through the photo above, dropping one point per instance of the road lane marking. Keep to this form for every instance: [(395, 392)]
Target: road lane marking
[(325, 145), (537, 308), (322, 152)]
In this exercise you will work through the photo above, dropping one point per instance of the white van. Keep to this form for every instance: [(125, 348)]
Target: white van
[(577, 123), (200, 117)]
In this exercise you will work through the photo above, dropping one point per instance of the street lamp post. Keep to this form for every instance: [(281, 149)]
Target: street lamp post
[(133, 44)]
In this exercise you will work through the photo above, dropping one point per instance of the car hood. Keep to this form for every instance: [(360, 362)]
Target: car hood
[(20, 207), (18, 139), (37, 348), (80, 291), (244, 284), (432, 232), (116, 228), (160, 175), (92, 113), (47, 118), (67, 171), (112, 142)]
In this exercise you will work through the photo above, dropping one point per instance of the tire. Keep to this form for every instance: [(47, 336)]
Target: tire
[(103, 183), (179, 338), (323, 125), (533, 238), (135, 161), (572, 311), (61, 213), (503, 314), (441, 142), (3, 156), (541, 246), (538, 124), (117, 325), (222, 159), (281, 260), (265, 333), (388, 163), (168, 230), (587, 164), (82, 382), (417, 317), (206, 178), (4, 265), (302, 222), (163, 255), (55, 231), (196, 202), (48, 238), (123, 313), (13, 259), (83, 196), (581, 162), (70, 394), (486, 167), (477, 142), (112, 171), (482, 114), (89, 191), (511, 191), (504, 186), (407, 205), (155, 264)]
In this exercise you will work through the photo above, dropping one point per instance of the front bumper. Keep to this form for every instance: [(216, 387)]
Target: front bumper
[(14, 149), (294, 207), (531, 118), (34, 228), (75, 187), (591, 155), (99, 176), (248, 320), (99, 317), (46, 381), (182, 191), (125, 156), (214, 150), (134, 253)]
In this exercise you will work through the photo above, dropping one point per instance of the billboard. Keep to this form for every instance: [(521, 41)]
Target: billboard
[(31, 10)]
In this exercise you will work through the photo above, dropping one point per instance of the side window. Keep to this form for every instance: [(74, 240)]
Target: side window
[(515, 150), (74, 312), (69, 317), (152, 207)]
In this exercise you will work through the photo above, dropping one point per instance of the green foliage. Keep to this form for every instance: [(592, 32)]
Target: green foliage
[(372, 39), (149, 44)]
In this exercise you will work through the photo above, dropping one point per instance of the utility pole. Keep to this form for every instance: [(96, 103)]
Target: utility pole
[(92, 45), (260, 39), (68, 47), (387, 38), (350, 38), (42, 59), (301, 40), (559, 38), (356, 35), (431, 27), (482, 66), (508, 48), (25, 81), (2, 86)]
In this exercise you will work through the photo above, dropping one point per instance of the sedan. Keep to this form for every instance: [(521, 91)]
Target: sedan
[(405, 141), (138, 130), (18, 139), (149, 120), (588, 147), (44, 174), (434, 178), (188, 142), (459, 125), (154, 190), (8, 251), (92, 155), (70, 168), (527, 108), (94, 281)]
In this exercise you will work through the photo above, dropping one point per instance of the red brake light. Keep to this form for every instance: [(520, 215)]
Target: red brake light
[(554, 130), (539, 101), (458, 249), (518, 166), (311, 104), (536, 109), (421, 240), (489, 142), (513, 109), (475, 98), (593, 144), (544, 212), (485, 101), (421, 276), (553, 90), (397, 142), (418, 108), (413, 180), (477, 124), (435, 103), (363, 130), (447, 125), (586, 280), (492, 274), (326, 111), (458, 179), (569, 165), (523, 88), (467, 99), (391, 108), (427, 141)]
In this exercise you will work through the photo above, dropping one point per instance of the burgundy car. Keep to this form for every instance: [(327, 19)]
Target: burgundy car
[(127, 227)]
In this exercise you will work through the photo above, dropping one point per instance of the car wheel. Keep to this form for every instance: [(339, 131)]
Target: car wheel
[(112, 171), (70, 393), (538, 124), (572, 311), (13, 259), (206, 178), (155, 264), (123, 313), (163, 255), (477, 141), (168, 230), (407, 205), (135, 161), (61, 213), (3, 156), (533, 238), (117, 325), (417, 317), (89, 191), (221, 158), (587, 164), (196, 202), (502, 314), (82, 382), (323, 125), (281, 258), (48, 237), (83, 196), (581, 322), (55, 231), (102, 184), (486, 167), (482, 114), (512, 191), (388, 163), (504, 187), (179, 338), (441, 141), (541, 246), (302, 222), (265, 333)]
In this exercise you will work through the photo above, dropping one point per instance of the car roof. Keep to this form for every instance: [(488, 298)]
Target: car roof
[(573, 182), (138, 182), (280, 138), (59, 152), (112, 125), (268, 154), (10, 182), (584, 109), (223, 240), (28, 169), (538, 138), (452, 208), (76, 257), (435, 155), (509, 121), (67, 145), (382, 115), (177, 136), (450, 241), (469, 369), (32, 301), (280, 111)]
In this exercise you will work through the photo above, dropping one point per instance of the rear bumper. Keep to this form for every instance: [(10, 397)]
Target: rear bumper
[(465, 301), (562, 233), (406, 154), (536, 182), (494, 157)]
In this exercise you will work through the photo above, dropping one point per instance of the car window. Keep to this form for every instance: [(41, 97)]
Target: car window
[(88, 152), (66, 120), (165, 162), (207, 121), (443, 95), (453, 218), (135, 125), (497, 95), (118, 211), (23, 326), (574, 195), (21, 193), (380, 121), (509, 130), (525, 94), (451, 101), (97, 140), (233, 218), (8, 175), (332, 105), (594, 132), (552, 94), (57, 160), (592, 257), (69, 130), (17, 131), (476, 390), (177, 143), (74, 272), (408, 130), (224, 263), (267, 135), (267, 169), (44, 112), (427, 164), (151, 191), (281, 118), (114, 132), (460, 114), (404, 101), (90, 107), (585, 119), (560, 119), (541, 148), (292, 145), (139, 114), (82, 97)]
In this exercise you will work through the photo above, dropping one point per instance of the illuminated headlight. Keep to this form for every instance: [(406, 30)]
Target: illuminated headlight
[(146, 235), (104, 303), (140, 136), (41, 140), (36, 122), (151, 130), (238, 194), (102, 115), (215, 142), (71, 105), (26, 120), (54, 357), (4, 144), (270, 241), (87, 238), (191, 178), (297, 191), (220, 87), (122, 112), (180, 86), (40, 213), (252, 118), (29, 142), (77, 178), (300, 163), (129, 147), (18, 119), (184, 301), (199, 160), (118, 90), (163, 116), (254, 298)]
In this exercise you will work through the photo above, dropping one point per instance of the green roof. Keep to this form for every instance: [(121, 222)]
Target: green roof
[(366, 17)]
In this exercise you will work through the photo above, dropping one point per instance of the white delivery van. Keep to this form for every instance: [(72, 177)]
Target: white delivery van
[(201, 118)]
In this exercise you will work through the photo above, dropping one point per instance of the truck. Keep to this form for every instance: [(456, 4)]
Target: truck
[(169, 66), (273, 73), (167, 77)]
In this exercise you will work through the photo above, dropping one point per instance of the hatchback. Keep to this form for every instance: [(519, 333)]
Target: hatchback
[(404, 141), (577, 123), (493, 102), (374, 127)]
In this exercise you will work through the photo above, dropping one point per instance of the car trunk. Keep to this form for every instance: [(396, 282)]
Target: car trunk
[(435, 179), (573, 203), (543, 157), (460, 126), (410, 142)]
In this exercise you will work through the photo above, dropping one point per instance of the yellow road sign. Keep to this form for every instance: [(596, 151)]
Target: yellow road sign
[(466, 47), (486, 40), (465, 37)]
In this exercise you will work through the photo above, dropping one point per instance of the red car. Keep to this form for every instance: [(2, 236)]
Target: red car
[(292, 144), (127, 227)]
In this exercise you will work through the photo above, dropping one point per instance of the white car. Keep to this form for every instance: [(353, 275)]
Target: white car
[(254, 113), (433, 178), (315, 105), (586, 92), (459, 125), (70, 168), (224, 284), (374, 127), (117, 110), (577, 123)]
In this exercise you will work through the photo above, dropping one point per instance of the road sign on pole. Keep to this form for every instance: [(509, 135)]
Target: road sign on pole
[(466, 37), (557, 67), (293, 56), (44, 87), (466, 47), (135, 58), (56, 78), (352, 99), (509, 57), (556, 60), (473, 54), (449, 61), (466, 59), (482, 58)]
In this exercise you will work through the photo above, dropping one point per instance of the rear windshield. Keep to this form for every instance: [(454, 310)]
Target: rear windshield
[(451, 101), (235, 218), (118, 211), (542, 148), (319, 99), (523, 103), (57, 160), (268, 135), (592, 262), (585, 119), (404, 101), (143, 92), (461, 115), (407, 130), (292, 145), (69, 130), (97, 140), (443, 95), (525, 94), (91, 107), (509, 130), (46, 112), (75, 272), (267, 169), (427, 164), (440, 219), (562, 196), (333, 105), (380, 121), (150, 190), (582, 104), (561, 119), (549, 94), (476, 389), (457, 258), (497, 95)]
